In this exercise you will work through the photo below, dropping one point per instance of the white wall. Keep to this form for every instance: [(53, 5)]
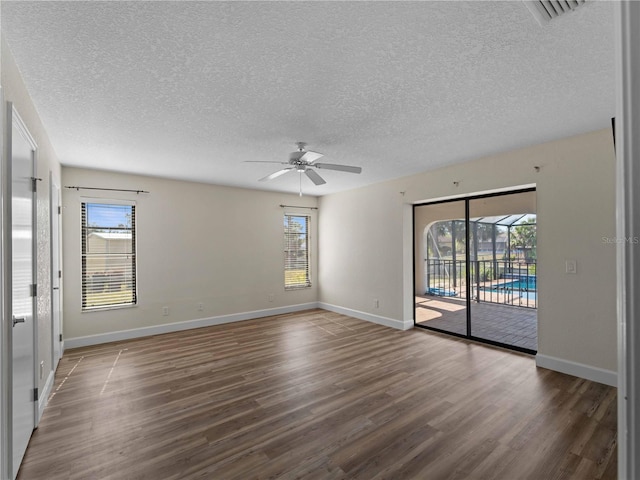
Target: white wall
[(364, 239), (361, 255), (196, 243)]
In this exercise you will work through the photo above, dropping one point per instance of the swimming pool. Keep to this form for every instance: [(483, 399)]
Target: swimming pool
[(525, 287), (528, 283)]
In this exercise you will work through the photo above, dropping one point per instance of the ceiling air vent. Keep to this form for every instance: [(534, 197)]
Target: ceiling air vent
[(546, 10)]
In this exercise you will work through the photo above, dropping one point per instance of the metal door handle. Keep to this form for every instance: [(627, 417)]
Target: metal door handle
[(18, 320)]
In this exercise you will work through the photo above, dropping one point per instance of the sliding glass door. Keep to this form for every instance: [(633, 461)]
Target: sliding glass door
[(441, 266), (476, 270), (503, 269)]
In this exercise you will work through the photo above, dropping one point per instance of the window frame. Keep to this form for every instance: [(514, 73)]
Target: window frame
[(286, 262), (83, 254)]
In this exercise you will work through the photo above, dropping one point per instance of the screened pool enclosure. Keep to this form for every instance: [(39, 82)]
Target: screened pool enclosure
[(502, 254)]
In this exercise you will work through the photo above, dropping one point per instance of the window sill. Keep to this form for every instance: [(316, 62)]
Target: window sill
[(297, 287), (109, 307)]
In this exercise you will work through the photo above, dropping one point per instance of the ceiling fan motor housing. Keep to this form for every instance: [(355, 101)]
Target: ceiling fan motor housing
[(295, 156)]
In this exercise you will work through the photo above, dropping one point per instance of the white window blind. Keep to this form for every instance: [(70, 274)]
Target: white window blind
[(296, 251), (108, 255)]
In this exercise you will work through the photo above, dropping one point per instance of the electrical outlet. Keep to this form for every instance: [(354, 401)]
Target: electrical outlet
[(165, 311), (570, 267), (270, 297), (200, 306), (376, 303)]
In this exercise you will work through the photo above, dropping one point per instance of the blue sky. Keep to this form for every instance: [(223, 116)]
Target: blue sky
[(107, 216), (300, 221)]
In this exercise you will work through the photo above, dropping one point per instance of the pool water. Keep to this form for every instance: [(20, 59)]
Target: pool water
[(525, 287), (528, 284)]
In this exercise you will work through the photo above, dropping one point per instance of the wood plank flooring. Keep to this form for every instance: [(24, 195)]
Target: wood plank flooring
[(318, 395)]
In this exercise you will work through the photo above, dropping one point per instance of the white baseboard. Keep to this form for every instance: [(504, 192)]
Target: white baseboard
[(587, 372), (186, 325), (43, 397), (387, 322)]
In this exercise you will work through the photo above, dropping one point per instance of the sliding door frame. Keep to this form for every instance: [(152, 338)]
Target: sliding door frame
[(467, 200)]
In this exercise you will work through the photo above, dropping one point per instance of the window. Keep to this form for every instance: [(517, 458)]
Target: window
[(296, 251), (108, 255)]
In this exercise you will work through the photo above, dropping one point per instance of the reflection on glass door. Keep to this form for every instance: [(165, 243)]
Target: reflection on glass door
[(475, 268), (441, 272)]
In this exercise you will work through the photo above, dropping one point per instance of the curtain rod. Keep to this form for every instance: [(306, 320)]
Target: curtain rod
[(298, 206), (107, 189)]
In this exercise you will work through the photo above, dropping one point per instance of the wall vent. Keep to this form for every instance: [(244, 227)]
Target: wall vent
[(546, 10)]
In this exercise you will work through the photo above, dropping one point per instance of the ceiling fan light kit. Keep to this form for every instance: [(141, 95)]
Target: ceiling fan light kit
[(303, 161)]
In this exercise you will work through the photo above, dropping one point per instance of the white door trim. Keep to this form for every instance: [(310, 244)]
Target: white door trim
[(628, 232), (13, 119), (5, 282), (7, 294), (54, 206)]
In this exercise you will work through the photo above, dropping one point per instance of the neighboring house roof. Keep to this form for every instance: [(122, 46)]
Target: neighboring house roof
[(112, 235)]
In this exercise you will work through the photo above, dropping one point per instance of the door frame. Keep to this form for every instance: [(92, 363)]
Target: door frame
[(55, 200), (466, 199), (10, 116), (5, 293)]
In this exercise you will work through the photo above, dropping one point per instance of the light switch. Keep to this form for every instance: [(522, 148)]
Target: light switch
[(571, 267)]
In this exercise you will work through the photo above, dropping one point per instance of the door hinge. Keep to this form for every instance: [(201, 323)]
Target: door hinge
[(60, 337), (59, 273), (35, 394), (34, 289), (59, 210), (35, 181)]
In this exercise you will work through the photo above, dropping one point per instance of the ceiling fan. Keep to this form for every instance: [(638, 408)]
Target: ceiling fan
[(303, 161)]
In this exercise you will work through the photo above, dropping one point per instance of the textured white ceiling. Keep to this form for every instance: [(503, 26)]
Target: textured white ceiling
[(189, 90)]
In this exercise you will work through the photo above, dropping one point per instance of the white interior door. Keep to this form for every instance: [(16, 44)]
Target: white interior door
[(23, 332), (55, 273)]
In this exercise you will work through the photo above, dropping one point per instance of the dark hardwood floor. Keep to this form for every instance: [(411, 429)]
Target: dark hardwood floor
[(318, 395)]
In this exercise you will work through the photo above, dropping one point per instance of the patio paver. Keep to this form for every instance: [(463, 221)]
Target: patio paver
[(515, 326)]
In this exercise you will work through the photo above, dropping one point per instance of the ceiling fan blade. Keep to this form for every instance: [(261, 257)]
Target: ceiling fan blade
[(315, 178), (276, 174), (341, 168), (310, 157), (265, 161)]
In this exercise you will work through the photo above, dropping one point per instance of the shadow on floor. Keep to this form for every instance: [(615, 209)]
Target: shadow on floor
[(515, 326)]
